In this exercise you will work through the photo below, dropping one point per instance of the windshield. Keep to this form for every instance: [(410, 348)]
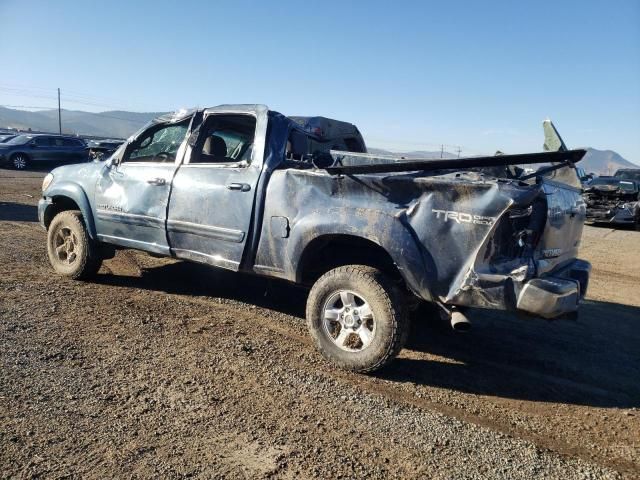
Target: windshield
[(628, 174), (19, 140)]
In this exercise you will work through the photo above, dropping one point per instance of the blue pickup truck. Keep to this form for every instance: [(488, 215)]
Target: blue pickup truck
[(244, 188)]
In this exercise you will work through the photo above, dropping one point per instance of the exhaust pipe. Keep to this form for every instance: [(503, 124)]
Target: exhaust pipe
[(459, 321)]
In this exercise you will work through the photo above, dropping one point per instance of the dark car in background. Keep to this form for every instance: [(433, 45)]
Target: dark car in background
[(613, 200), (24, 151), (628, 174), (103, 149)]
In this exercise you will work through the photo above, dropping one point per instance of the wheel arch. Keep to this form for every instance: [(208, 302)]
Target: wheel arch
[(329, 251), (70, 196), (385, 238)]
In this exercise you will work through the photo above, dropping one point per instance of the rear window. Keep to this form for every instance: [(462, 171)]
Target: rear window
[(354, 145)]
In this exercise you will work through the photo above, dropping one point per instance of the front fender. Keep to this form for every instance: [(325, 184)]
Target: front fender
[(76, 193), (391, 232)]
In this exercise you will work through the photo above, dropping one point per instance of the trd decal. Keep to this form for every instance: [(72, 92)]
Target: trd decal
[(461, 217)]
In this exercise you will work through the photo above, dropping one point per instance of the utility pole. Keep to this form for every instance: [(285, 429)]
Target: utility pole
[(59, 114), (459, 150), (441, 150)]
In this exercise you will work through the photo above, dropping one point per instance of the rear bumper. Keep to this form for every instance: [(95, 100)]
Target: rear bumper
[(557, 294)]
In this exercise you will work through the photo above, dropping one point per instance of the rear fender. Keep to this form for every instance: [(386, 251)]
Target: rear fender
[(392, 233)]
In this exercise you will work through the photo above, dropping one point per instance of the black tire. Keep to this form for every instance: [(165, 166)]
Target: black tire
[(388, 313), (20, 161), (71, 252)]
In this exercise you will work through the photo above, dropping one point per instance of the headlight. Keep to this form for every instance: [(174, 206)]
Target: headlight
[(47, 181)]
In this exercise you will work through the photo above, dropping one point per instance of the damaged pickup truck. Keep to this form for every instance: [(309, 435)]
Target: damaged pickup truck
[(247, 189), (614, 200)]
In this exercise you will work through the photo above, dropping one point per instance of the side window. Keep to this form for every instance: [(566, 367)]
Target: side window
[(57, 142), (159, 143), (225, 139), (71, 142), (354, 145), (42, 141)]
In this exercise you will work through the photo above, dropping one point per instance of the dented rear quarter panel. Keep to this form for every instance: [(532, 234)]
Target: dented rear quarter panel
[(437, 229)]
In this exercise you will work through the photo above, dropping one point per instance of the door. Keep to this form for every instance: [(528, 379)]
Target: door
[(211, 203), (42, 149), (132, 192), (74, 150), (58, 150)]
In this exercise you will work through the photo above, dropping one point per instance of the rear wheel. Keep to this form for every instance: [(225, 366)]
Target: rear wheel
[(70, 250), (20, 161), (357, 318)]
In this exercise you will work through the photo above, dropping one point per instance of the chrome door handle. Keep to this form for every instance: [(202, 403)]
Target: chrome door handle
[(157, 181), (243, 187)]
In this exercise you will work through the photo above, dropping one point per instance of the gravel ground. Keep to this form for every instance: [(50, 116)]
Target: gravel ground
[(160, 368)]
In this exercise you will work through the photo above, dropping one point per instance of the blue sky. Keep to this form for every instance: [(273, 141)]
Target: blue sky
[(411, 75)]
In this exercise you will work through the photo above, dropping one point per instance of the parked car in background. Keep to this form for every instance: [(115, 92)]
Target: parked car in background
[(103, 149), (24, 151), (628, 174), (613, 200)]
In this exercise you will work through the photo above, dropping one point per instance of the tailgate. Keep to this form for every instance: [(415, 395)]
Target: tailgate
[(566, 213)]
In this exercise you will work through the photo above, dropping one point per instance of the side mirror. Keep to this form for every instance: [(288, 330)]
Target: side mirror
[(33, 145), (110, 162)]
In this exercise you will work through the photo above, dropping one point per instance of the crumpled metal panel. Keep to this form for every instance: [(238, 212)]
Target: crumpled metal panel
[(443, 231)]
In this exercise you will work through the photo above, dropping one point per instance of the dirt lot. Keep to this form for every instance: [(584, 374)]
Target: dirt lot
[(161, 368)]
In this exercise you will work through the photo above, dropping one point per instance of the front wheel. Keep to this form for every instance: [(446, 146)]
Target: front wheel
[(357, 318), (71, 252)]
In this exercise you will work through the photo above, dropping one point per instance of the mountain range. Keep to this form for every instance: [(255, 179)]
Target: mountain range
[(114, 124), (121, 124)]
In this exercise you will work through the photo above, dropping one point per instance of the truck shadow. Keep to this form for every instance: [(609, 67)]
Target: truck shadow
[(18, 212), (593, 361), (191, 279), (611, 226)]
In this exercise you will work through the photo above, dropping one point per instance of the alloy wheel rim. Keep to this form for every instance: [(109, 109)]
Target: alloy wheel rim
[(20, 162), (66, 245), (348, 321)]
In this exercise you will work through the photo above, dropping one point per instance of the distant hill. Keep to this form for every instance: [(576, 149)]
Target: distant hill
[(106, 124), (121, 124), (604, 162), (415, 154)]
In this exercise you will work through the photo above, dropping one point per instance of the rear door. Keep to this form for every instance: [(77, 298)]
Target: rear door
[(74, 150), (42, 149), (58, 150), (211, 204), (132, 193)]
